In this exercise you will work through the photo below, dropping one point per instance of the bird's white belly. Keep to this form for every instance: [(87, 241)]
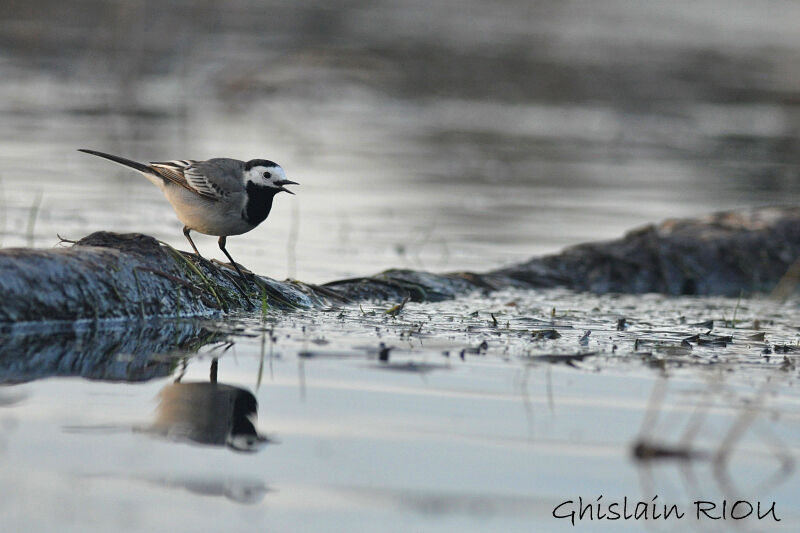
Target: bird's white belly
[(221, 218)]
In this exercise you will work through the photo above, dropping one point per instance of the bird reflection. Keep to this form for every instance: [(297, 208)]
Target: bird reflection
[(209, 413), (246, 491)]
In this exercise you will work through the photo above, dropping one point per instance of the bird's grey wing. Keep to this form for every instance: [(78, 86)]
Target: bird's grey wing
[(219, 177), (190, 175)]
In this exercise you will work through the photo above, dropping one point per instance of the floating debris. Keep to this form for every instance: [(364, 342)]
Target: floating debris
[(786, 348), (394, 310), (413, 367), (643, 450), (710, 340), (545, 334), (564, 359), (383, 352), (475, 350), (584, 340)]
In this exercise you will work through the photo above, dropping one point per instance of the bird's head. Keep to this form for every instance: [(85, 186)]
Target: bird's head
[(266, 174)]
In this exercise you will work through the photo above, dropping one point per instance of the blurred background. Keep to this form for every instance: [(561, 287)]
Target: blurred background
[(438, 135)]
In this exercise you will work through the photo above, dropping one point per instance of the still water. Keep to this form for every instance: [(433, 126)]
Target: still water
[(448, 136), (467, 425)]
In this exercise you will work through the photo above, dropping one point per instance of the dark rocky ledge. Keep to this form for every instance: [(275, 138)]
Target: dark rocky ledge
[(723, 253), (108, 276)]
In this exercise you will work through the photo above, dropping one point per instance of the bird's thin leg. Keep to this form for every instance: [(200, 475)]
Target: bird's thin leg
[(222, 247), (186, 231)]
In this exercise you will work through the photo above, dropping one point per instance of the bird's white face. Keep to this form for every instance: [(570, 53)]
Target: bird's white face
[(271, 176)]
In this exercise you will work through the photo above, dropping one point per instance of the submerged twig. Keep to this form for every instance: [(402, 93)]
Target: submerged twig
[(62, 240), (32, 216), (736, 310), (395, 309)]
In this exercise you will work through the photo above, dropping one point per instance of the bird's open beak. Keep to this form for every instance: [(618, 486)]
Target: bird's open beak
[(281, 184)]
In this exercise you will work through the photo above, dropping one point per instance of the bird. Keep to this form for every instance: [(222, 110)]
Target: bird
[(219, 196), (209, 413)]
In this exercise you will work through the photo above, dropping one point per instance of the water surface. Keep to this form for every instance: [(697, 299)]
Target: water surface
[(466, 425)]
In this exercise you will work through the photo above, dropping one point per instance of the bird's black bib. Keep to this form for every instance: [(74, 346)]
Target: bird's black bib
[(259, 203)]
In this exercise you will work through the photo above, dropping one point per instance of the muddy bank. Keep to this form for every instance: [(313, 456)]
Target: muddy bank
[(106, 275), (723, 254), (719, 254)]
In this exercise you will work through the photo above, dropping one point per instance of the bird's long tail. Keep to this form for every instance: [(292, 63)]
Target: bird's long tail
[(122, 161)]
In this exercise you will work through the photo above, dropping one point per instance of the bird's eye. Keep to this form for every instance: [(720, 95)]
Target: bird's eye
[(267, 175)]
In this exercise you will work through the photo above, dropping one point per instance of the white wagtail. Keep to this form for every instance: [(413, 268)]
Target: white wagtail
[(219, 196)]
